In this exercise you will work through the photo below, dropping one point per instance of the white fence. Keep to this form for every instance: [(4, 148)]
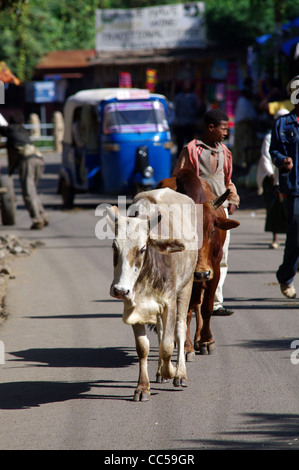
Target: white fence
[(46, 137)]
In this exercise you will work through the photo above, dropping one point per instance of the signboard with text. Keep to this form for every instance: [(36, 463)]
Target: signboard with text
[(40, 92), (161, 27)]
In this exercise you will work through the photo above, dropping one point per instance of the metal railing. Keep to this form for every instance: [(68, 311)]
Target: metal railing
[(45, 140), (42, 141)]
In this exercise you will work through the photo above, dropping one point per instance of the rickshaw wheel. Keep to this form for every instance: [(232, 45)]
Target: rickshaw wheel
[(8, 201), (67, 193)]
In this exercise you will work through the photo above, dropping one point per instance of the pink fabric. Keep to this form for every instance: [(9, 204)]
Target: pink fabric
[(194, 154)]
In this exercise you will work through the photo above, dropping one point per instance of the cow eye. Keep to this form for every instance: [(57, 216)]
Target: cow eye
[(142, 250), (212, 233)]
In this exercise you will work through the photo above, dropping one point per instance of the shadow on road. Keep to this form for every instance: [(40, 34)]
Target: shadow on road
[(23, 395), (271, 430), (76, 357), (273, 344)]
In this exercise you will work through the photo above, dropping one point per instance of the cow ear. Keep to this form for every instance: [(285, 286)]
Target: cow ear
[(226, 224), (167, 246)]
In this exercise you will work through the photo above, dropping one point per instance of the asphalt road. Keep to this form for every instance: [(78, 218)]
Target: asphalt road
[(71, 368)]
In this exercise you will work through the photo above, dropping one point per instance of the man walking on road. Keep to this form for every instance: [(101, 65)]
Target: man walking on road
[(25, 156), (210, 159), (284, 151)]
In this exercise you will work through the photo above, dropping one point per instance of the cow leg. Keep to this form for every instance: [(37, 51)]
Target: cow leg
[(181, 326), (159, 378), (180, 378), (199, 322), (189, 350), (142, 392), (204, 343), (167, 343)]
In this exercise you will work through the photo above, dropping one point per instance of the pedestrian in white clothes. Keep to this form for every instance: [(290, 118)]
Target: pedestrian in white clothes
[(3, 121)]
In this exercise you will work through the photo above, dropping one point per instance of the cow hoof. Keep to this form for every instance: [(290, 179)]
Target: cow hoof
[(161, 380), (180, 382), (205, 348), (190, 356), (141, 396), (212, 347)]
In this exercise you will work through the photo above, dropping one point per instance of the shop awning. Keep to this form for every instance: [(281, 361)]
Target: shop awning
[(62, 60), (288, 45)]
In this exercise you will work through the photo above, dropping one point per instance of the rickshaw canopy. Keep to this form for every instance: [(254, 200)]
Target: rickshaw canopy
[(93, 97)]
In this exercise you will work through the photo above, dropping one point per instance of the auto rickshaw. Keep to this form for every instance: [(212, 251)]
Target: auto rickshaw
[(124, 146)]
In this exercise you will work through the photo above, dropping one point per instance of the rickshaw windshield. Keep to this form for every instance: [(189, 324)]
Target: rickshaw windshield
[(128, 117)]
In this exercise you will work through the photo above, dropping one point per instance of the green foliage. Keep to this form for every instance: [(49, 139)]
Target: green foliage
[(238, 23), (31, 28)]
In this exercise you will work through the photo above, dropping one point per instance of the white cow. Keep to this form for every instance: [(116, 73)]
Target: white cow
[(153, 275)]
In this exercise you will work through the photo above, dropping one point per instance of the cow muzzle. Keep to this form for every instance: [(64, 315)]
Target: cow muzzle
[(120, 293), (202, 275)]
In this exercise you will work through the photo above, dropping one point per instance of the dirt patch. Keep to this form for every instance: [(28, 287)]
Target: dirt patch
[(10, 248)]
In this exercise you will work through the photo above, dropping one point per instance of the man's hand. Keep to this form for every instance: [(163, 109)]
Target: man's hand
[(277, 194), (288, 163), (231, 208)]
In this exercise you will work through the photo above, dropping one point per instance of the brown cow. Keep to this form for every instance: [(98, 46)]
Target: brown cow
[(207, 271)]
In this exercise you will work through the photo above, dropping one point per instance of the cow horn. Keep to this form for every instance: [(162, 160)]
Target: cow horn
[(154, 221), (220, 200), (112, 213)]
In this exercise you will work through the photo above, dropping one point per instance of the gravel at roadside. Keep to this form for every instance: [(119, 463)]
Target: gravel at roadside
[(10, 248)]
